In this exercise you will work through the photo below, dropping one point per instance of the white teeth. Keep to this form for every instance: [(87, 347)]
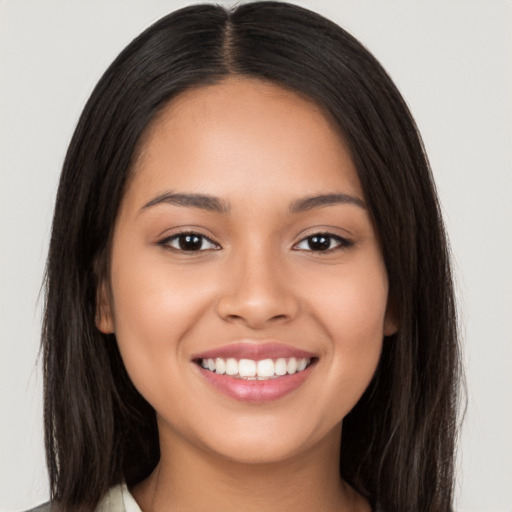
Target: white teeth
[(247, 368), (291, 367), (251, 370), (302, 364), (280, 367), (265, 368), (220, 366), (231, 367)]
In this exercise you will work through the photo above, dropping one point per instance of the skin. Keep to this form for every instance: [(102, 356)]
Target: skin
[(258, 148)]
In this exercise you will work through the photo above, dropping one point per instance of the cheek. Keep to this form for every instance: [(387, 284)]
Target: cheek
[(153, 310), (352, 311), (153, 298), (352, 300)]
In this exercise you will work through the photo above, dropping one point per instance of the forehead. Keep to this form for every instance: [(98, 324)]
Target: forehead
[(241, 133)]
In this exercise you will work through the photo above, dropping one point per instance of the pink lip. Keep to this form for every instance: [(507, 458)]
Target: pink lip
[(255, 351), (255, 391)]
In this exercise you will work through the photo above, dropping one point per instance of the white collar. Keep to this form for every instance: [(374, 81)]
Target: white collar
[(118, 499)]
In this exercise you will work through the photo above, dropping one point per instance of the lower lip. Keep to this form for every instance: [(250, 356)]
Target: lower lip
[(256, 391)]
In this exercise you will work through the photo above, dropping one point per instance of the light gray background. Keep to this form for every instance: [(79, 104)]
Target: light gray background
[(452, 61)]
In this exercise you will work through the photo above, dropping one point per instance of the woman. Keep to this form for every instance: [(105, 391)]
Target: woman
[(249, 302)]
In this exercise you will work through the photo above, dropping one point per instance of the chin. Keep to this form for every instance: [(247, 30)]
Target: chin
[(267, 439)]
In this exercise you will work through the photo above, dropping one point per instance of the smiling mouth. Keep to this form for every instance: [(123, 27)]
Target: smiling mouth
[(255, 372), (250, 369)]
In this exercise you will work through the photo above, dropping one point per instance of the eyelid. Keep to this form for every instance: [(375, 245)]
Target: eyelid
[(343, 242), (166, 240)]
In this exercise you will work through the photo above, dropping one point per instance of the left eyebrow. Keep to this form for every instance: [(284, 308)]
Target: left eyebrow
[(202, 201), (320, 201)]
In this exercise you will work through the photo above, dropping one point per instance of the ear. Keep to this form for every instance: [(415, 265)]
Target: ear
[(104, 317), (390, 327), (390, 321)]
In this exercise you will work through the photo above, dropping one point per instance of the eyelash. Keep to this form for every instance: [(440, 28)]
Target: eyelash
[(342, 243), (166, 242)]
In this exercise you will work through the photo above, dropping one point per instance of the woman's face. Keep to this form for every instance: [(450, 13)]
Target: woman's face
[(243, 244)]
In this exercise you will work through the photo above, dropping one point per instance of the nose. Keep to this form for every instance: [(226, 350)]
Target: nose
[(257, 292)]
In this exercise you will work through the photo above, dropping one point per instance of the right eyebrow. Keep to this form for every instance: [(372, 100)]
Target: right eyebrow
[(202, 201), (322, 200)]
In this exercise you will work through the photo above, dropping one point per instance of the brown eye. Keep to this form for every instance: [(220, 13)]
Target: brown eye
[(189, 242), (319, 242), (323, 242)]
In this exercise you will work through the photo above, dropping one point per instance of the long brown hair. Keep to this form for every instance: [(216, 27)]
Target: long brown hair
[(398, 442)]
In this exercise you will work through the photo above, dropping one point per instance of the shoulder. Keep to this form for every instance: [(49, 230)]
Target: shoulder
[(45, 507), (118, 499)]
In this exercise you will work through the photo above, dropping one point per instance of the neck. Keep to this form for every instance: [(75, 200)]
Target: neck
[(192, 478)]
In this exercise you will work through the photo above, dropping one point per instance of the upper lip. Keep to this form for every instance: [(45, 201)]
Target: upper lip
[(256, 350)]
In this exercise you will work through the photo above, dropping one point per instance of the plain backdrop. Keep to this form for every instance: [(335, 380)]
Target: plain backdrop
[(452, 60)]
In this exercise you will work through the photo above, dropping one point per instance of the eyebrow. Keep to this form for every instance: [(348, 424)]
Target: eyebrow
[(202, 201), (320, 201), (214, 204)]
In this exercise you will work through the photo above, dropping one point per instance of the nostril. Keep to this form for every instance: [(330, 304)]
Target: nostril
[(278, 318), (234, 317)]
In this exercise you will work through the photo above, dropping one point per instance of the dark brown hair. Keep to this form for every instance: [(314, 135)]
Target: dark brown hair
[(398, 442)]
